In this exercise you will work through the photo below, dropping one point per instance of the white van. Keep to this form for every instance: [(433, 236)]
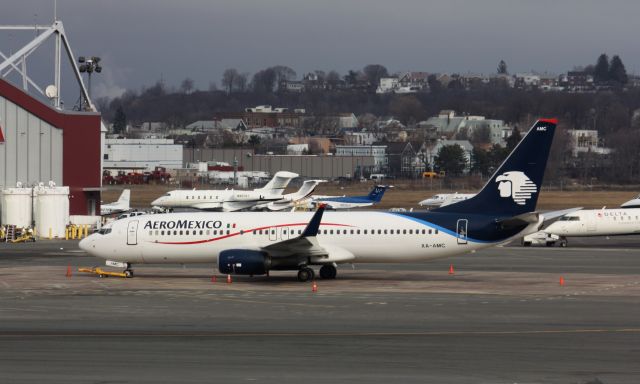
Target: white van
[(377, 176)]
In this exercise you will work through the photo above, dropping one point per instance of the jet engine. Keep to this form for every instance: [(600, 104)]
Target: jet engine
[(243, 262)]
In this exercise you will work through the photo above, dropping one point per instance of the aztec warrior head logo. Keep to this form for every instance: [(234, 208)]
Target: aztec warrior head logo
[(517, 185)]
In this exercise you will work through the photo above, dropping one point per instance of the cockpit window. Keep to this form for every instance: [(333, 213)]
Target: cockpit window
[(569, 218), (104, 231)]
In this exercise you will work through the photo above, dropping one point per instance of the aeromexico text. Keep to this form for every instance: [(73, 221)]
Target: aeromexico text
[(183, 224)]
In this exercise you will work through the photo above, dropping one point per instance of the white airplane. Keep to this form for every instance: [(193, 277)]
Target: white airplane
[(633, 203), (122, 205), (227, 200), (290, 200), (596, 222), (444, 199), (254, 243), (345, 202)]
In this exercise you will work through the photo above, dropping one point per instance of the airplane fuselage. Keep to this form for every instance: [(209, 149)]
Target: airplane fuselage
[(367, 236), (597, 222)]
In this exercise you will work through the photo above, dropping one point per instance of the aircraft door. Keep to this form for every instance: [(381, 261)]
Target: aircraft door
[(132, 233), (274, 233), (461, 230)]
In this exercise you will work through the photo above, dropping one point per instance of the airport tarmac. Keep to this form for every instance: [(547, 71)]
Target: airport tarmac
[(502, 317)]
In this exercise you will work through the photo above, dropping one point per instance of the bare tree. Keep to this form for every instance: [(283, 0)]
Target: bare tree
[(187, 86), (229, 78), (240, 82), (333, 79)]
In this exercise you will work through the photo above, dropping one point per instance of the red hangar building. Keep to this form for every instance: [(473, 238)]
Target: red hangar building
[(39, 143)]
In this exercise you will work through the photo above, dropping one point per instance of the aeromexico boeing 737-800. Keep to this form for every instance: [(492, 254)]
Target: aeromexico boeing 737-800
[(253, 243)]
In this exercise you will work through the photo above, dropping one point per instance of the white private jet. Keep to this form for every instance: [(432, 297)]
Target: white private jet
[(596, 222), (227, 200), (253, 243), (444, 199), (122, 205), (290, 200)]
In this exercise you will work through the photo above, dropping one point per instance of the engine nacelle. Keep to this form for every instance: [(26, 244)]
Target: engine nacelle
[(243, 262)]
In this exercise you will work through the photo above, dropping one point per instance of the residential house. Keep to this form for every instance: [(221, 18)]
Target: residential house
[(378, 152)]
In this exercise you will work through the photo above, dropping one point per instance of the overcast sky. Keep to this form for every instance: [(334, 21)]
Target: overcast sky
[(142, 40)]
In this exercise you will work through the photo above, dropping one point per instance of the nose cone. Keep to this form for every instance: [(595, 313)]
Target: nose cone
[(158, 202), (85, 243)]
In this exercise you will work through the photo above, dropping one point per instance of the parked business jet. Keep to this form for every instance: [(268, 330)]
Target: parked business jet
[(253, 243), (290, 200), (348, 202), (596, 222), (227, 200), (122, 205), (444, 199)]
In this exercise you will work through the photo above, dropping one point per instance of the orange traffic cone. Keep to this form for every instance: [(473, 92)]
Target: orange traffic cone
[(561, 281), (451, 271), (213, 279), (68, 274), (228, 279), (314, 287)]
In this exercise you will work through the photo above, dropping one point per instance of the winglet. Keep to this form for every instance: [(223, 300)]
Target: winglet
[(312, 228)]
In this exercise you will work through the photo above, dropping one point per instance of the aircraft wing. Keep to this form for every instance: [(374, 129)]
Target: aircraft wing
[(552, 215), (208, 206), (531, 218), (304, 246)]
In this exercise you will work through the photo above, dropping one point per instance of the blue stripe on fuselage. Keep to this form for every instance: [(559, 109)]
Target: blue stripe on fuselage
[(440, 228)]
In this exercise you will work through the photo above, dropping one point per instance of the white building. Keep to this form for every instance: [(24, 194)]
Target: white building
[(142, 154), (586, 141), (379, 153), (432, 152)]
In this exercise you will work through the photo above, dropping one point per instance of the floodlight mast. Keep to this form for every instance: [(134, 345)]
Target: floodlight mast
[(17, 61)]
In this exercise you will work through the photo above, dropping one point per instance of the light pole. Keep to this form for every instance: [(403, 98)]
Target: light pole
[(89, 65)]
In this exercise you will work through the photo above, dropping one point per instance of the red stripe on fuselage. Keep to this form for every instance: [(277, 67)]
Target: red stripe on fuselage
[(249, 230)]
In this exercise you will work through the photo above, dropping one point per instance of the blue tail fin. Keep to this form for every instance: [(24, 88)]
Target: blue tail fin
[(376, 193), (514, 187)]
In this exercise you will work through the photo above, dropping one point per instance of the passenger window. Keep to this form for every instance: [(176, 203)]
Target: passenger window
[(201, 232), (429, 231), (180, 233), (227, 231), (150, 233), (411, 231), (194, 232), (284, 232), (436, 231), (273, 231), (162, 233), (254, 231), (385, 231), (175, 233), (379, 231), (391, 231), (208, 232), (358, 231), (404, 231), (241, 232), (365, 231), (299, 231)]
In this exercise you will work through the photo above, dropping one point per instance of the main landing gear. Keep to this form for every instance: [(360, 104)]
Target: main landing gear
[(327, 271), (305, 274)]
